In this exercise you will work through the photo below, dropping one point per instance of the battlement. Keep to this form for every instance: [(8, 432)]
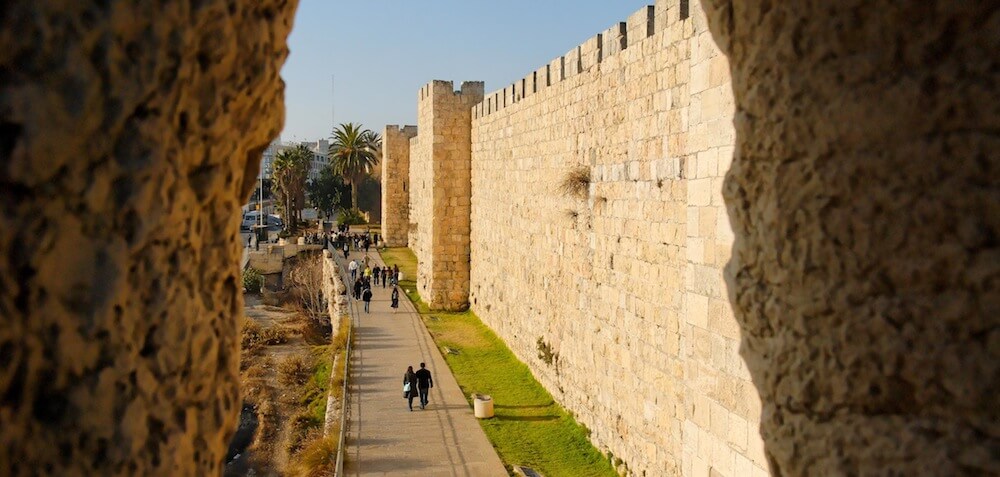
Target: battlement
[(407, 131), (470, 91), (639, 26)]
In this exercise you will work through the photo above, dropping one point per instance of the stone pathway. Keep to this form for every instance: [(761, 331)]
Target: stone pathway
[(384, 437)]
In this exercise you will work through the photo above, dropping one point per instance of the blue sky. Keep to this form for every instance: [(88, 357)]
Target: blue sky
[(382, 51)]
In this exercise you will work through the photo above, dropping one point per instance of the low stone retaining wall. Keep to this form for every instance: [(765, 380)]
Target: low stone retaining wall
[(335, 292)]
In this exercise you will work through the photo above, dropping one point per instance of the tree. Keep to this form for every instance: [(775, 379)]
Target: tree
[(291, 167), (354, 152), (328, 192)]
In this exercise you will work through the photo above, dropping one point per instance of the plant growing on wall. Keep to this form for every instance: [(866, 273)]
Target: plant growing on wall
[(576, 183), (353, 153), (545, 352)]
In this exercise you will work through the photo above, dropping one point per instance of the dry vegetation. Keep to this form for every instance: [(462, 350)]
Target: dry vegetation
[(286, 366), (576, 183)]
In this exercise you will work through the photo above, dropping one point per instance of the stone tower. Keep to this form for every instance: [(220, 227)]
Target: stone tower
[(395, 183), (441, 188)]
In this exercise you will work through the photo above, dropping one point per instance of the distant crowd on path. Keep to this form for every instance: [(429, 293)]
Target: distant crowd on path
[(343, 240), (417, 384), (364, 278)]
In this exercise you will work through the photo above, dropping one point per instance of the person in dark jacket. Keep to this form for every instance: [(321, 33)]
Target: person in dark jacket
[(424, 384), (395, 299), (409, 386), (357, 289), (367, 297)]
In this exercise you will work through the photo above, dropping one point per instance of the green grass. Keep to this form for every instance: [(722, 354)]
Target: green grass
[(529, 428)]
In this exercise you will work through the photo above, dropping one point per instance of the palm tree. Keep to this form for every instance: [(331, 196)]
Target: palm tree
[(291, 167), (354, 152)]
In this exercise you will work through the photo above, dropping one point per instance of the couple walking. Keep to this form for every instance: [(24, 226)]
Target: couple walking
[(417, 383)]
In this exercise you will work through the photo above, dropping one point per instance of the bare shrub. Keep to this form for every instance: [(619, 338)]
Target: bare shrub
[(274, 335), (576, 183), (294, 371), (251, 340), (306, 285)]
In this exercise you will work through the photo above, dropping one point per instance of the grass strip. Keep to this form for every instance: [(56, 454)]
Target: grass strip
[(529, 427)]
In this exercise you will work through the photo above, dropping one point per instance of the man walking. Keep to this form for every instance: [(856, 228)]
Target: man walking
[(367, 297), (353, 267), (424, 384)]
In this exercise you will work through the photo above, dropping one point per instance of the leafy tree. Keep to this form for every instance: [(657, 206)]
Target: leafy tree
[(354, 152), (291, 168), (328, 192)]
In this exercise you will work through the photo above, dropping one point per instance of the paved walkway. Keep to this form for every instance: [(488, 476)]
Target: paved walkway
[(384, 437)]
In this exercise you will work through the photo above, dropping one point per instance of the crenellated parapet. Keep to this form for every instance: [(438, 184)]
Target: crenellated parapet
[(638, 27)]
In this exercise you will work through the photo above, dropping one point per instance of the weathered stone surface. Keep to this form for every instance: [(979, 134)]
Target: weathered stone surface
[(131, 133), (440, 178), (396, 183), (865, 200), (621, 280)]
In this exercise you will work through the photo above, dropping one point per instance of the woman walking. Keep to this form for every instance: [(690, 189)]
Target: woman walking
[(395, 299), (410, 386)]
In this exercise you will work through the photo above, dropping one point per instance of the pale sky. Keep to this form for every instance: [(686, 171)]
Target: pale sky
[(382, 51)]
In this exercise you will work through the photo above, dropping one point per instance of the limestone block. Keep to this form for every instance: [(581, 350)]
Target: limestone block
[(572, 63), (591, 52), (613, 40), (640, 25)]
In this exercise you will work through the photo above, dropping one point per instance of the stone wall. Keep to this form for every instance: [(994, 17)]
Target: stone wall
[(865, 195), (440, 192), (131, 134), (624, 278), (396, 183)]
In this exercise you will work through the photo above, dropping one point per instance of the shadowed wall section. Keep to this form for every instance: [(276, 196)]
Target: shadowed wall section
[(131, 134), (865, 201)]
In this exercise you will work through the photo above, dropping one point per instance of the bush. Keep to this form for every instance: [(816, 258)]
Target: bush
[(316, 457), (251, 339), (253, 281), (255, 337), (274, 335), (351, 217), (294, 371)]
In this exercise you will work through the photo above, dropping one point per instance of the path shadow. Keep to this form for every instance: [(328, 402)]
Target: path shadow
[(526, 406), (526, 418)]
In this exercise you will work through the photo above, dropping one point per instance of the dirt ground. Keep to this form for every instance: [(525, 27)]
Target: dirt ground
[(269, 404)]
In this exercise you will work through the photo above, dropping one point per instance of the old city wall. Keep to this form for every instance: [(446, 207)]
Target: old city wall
[(440, 192), (395, 183), (623, 278), (622, 283)]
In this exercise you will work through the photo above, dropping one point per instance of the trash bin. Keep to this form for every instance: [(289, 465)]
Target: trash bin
[(483, 406)]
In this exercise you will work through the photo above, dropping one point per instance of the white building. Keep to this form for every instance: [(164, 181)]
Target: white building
[(319, 160)]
